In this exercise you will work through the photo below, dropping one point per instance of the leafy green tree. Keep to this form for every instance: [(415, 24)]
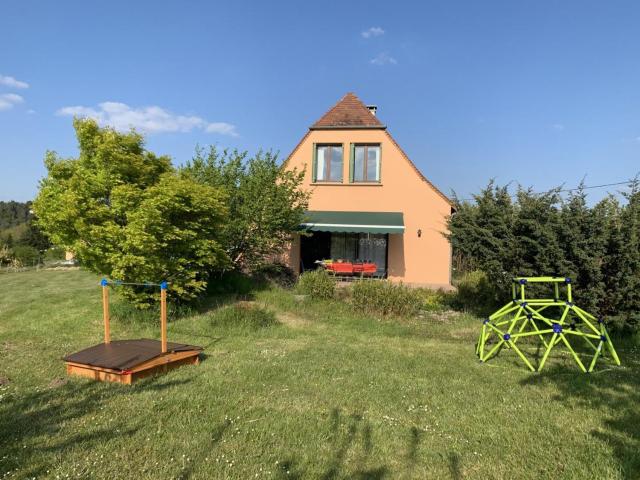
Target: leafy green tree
[(614, 252), (126, 214), (172, 233), (629, 257), (266, 204), (482, 232), (583, 238), (540, 234), (537, 250)]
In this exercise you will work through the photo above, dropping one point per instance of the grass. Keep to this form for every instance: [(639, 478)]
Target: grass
[(299, 389)]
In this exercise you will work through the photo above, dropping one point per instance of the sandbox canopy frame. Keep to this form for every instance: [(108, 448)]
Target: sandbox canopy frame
[(164, 285)]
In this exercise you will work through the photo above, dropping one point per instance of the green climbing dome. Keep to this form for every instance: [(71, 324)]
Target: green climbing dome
[(530, 317)]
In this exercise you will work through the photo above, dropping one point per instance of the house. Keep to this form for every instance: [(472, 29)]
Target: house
[(369, 202)]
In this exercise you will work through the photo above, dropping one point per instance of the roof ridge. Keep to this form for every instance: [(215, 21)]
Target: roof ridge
[(348, 112)]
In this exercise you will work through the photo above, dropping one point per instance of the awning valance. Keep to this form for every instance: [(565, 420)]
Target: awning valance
[(354, 222)]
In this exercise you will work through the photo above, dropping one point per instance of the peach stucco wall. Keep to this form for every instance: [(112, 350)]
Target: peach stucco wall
[(424, 260)]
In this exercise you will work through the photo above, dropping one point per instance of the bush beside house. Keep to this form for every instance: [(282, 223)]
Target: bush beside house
[(597, 246)]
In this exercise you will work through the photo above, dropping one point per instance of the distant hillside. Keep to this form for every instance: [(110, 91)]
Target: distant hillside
[(14, 213), (19, 238)]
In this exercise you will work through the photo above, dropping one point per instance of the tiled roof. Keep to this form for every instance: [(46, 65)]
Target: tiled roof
[(349, 112)]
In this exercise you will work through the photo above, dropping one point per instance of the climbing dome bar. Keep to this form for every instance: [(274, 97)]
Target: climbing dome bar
[(549, 321)]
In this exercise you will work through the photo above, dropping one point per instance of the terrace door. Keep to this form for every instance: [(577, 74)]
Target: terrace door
[(373, 247), (315, 247)]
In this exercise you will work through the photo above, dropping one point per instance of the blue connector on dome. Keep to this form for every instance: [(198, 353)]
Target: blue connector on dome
[(506, 337), (557, 328), (163, 285)]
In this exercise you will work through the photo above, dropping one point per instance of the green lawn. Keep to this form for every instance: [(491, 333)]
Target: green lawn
[(309, 390)]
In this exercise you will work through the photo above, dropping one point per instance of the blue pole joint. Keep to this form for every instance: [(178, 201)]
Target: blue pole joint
[(603, 338), (524, 304), (163, 285), (569, 304), (529, 316), (485, 321), (600, 320), (567, 280), (506, 337), (104, 282), (523, 281), (557, 328)]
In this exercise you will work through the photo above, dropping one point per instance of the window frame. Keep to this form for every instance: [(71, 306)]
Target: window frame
[(327, 162), (365, 163)]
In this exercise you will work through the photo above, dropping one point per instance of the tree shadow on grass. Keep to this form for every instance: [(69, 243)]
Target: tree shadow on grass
[(217, 433), (616, 391), (455, 465), (351, 453), (29, 419)]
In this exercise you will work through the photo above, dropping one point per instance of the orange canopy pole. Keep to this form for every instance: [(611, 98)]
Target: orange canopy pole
[(105, 310), (163, 316)]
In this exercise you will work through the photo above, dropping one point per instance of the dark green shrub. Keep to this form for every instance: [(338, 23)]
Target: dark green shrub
[(475, 292), (26, 255), (317, 284), (231, 282), (437, 300), (275, 274), (244, 315), (624, 324), (54, 254), (386, 298)]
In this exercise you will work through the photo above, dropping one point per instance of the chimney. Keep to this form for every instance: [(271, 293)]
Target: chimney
[(373, 109)]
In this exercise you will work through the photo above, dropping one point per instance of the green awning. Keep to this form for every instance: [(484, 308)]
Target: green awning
[(354, 222)]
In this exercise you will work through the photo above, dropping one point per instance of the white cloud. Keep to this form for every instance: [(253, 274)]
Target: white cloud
[(372, 32), (558, 127), (9, 100), (222, 128), (8, 81), (383, 59), (151, 119)]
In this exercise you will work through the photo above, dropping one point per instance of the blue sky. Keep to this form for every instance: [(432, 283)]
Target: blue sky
[(535, 92)]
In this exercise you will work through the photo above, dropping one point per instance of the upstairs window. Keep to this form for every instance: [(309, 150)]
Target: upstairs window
[(366, 163), (327, 166)]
